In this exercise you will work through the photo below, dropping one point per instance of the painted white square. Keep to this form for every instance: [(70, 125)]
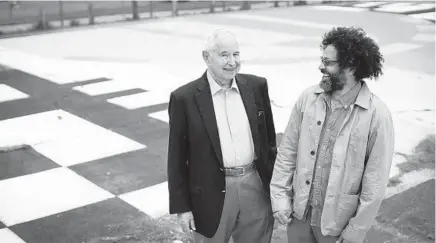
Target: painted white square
[(140, 100), (429, 28), (105, 87), (410, 8), (55, 70), (339, 8), (368, 4), (161, 115), (246, 36), (84, 142), (294, 22), (38, 195), (154, 200), (429, 15), (67, 151), (395, 48), (392, 7), (7, 236), (31, 129), (8, 93), (424, 37), (64, 138), (65, 72)]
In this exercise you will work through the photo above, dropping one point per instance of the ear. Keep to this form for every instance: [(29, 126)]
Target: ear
[(205, 57)]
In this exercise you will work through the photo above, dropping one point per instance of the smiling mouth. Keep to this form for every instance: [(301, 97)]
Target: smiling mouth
[(230, 70)]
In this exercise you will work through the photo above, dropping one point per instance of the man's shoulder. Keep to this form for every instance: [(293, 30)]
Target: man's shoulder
[(187, 89), (310, 91), (254, 79), (379, 107)]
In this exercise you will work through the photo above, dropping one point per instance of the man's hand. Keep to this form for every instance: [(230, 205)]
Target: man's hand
[(186, 221), (283, 216)]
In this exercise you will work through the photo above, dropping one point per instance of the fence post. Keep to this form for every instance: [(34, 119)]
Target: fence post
[(175, 10), (245, 5), (11, 8), (151, 9), (212, 6), (43, 20), (91, 13), (61, 12), (135, 10), (276, 4)]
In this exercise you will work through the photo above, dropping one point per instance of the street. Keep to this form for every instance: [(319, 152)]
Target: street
[(84, 120)]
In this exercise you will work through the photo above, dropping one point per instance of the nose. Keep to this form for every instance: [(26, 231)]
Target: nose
[(232, 60), (321, 66)]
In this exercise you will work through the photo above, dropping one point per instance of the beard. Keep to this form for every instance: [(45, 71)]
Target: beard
[(332, 83)]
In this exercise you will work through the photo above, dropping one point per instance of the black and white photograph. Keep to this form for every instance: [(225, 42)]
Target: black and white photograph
[(217, 121)]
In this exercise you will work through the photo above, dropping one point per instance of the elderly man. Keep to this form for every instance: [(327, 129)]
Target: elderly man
[(333, 164), (222, 149)]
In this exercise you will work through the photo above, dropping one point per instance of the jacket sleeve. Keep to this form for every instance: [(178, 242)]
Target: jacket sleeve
[(271, 132), (375, 179), (177, 170), (285, 164)]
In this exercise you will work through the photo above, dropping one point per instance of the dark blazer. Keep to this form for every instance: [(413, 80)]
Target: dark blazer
[(196, 179)]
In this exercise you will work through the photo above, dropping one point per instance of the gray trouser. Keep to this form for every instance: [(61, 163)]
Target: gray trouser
[(247, 215), (302, 232)]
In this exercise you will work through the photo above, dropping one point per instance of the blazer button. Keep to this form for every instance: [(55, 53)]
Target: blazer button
[(312, 152), (319, 123), (223, 191), (307, 182)]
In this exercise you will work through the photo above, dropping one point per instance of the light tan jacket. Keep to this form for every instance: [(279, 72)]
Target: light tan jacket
[(361, 162)]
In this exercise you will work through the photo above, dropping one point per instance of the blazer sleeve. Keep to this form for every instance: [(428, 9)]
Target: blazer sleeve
[(271, 132), (177, 168)]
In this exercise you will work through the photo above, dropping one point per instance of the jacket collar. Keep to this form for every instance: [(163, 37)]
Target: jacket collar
[(363, 98)]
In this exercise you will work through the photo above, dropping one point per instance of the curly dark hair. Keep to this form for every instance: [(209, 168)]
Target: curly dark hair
[(356, 51)]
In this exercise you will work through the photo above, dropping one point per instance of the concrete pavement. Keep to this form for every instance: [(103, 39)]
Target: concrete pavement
[(91, 106)]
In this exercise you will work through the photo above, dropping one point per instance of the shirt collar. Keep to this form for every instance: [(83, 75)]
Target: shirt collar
[(363, 94), (350, 96), (215, 88)]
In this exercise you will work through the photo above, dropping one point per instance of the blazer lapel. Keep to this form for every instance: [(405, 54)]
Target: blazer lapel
[(250, 107), (205, 104)]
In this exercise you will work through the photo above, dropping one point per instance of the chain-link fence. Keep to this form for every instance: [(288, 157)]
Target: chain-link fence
[(19, 16)]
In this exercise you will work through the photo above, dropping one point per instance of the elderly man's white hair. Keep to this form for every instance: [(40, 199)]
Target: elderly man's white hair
[(212, 40)]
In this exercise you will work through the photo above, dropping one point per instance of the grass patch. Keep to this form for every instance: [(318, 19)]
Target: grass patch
[(394, 181), (423, 157)]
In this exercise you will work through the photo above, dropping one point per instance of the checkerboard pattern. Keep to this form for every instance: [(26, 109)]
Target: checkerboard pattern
[(75, 167)]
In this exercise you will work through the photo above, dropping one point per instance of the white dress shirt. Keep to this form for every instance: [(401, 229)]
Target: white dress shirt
[(233, 127)]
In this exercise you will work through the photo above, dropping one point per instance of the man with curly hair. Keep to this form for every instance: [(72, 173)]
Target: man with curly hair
[(332, 167)]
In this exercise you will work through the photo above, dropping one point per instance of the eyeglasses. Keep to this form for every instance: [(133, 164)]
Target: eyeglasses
[(327, 62)]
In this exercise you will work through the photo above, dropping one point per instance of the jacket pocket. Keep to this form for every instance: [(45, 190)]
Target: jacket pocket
[(195, 191), (347, 206)]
